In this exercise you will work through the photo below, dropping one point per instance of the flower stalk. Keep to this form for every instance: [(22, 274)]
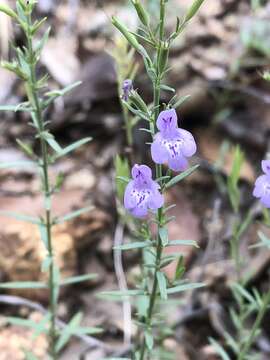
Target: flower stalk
[(37, 117), (170, 145)]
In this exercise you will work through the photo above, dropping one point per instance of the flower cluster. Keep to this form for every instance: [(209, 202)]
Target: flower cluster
[(262, 185), (142, 193), (171, 144)]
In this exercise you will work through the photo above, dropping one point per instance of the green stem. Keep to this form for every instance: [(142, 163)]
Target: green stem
[(255, 327), (128, 127), (159, 217), (38, 119)]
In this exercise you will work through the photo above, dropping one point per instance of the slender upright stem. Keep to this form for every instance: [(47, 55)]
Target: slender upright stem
[(38, 119), (159, 217), (255, 327), (128, 127)]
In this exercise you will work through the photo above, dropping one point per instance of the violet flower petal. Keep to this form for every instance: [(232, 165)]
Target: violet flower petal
[(158, 152), (142, 193), (266, 167), (167, 120)]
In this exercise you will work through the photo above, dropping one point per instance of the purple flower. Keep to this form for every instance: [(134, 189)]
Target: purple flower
[(262, 185), (172, 144), (126, 87), (142, 193)]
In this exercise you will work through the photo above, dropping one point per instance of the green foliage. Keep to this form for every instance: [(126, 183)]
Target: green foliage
[(25, 67), (122, 175), (194, 8), (181, 176), (74, 328), (134, 245), (77, 279), (219, 349), (162, 284), (154, 284), (23, 285), (21, 217), (265, 241), (72, 215), (164, 236), (266, 75), (233, 179)]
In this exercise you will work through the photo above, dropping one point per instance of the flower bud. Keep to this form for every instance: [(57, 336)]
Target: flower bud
[(143, 16), (126, 33), (127, 86)]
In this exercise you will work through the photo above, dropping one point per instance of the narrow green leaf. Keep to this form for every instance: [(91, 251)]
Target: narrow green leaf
[(244, 293), (181, 176), (219, 349), (167, 260), (265, 241), (14, 108), (181, 101), (68, 331), (8, 11), (138, 113), (54, 145), (117, 294), (72, 147), (77, 279), (23, 285), (167, 88), (232, 343), (180, 269), (193, 9), (162, 284), (126, 33), (133, 246), (123, 179), (182, 242), (88, 330), (64, 91), (163, 233), (21, 12), (149, 339), (122, 175), (73, 215), (40, 45), (142, 305), (184, 287), (234, 177), (21, 322), (21, 217)]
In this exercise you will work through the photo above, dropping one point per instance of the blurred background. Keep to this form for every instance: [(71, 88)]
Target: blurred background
[(219, 61)]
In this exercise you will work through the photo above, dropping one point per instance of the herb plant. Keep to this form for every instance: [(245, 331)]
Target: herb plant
[(38, 100), (144, 195)]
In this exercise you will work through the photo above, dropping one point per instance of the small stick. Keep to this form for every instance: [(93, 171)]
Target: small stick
[(120, 274)]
